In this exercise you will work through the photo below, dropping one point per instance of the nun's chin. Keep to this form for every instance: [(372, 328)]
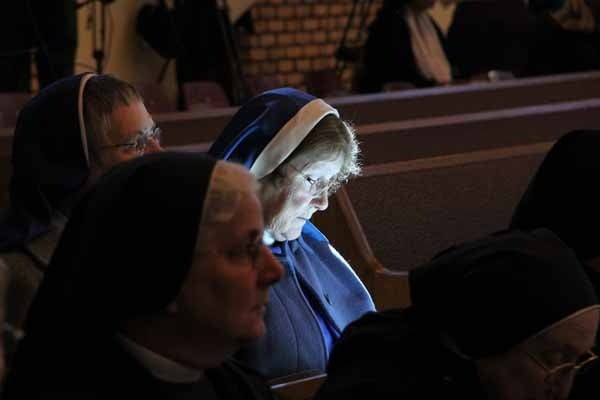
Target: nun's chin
[(290, 231), (294, 234), (252, 334)]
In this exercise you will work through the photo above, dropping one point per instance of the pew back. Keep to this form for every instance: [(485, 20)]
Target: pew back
[(193, 127), (436, 136), (412, 210)]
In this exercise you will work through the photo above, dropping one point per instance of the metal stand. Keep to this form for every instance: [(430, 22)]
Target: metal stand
[(345, 53), (98, 35), (232, 51)]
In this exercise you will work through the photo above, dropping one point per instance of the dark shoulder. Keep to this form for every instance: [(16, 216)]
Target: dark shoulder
[(376, 357), (389, 18), (390, 333), (396, 354)]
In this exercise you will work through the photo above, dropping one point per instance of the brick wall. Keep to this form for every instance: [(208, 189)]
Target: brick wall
[(293, 37)]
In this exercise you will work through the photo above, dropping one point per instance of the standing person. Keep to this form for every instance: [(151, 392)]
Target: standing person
[(201, 38), (68, 135), (44, 30), (203, 30), (160, 275), (508, 317), (404, 44), (301, 152)]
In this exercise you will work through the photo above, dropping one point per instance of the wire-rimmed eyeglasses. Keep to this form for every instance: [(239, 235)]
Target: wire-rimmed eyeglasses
[(318, 186), (586, 359), (139, 141)]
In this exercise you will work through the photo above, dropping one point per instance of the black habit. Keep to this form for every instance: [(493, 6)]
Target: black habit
[(125, 253)]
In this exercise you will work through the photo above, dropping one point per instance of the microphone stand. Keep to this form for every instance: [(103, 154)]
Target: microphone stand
[(346, 53), (232, 51), (98, 43)]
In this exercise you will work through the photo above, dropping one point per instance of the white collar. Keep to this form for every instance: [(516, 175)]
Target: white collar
[(159, 366)]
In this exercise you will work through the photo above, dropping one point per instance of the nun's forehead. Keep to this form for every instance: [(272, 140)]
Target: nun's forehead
[(229, 183), (290, 135)]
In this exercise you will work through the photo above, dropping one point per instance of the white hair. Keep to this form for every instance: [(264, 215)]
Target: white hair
[(228, 183)]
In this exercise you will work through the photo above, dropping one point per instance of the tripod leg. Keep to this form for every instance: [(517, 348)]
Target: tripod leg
[(232, 51)]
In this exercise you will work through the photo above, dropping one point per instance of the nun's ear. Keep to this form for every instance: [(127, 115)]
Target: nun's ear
[(172, 308)]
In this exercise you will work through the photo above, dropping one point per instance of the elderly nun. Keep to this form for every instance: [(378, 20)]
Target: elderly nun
[(159, 277), (511, 316), (66, 136), (562, 197), (300, 151)]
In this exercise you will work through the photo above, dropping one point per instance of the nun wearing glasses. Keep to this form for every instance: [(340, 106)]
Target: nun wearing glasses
[(301, 151), (561, 197), (66, 137), (114, 320), (507, 317)]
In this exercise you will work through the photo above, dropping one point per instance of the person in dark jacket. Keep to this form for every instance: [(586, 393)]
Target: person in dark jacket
[(404, 44), (511, 316), (567, 37), (490, 35), (301, 151), (561, 197), (160, 275)]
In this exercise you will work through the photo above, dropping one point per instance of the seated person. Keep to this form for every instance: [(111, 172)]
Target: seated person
[(488, 35), (562, 197), (566, 38), (66, 137), (159, 276), (404, 44), (301, 151), (511, 316)]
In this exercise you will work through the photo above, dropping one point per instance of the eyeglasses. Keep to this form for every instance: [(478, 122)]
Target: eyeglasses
[(564, 369), (318, 186), (140, 141)]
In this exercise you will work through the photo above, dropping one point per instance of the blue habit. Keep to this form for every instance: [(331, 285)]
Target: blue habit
[(320, 294)]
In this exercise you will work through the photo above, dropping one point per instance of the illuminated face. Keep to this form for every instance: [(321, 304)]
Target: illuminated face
[(127, 122), (529, 370), (290, 206), (225, 295)]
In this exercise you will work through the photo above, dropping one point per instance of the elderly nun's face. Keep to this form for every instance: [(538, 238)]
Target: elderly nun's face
[(226, 292), (543, 367), (302, 193), (130, 124)]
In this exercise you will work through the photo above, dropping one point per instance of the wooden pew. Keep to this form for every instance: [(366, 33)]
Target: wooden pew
[(468, 98), (399, 215), (436, 136), (410, 210), (299, 389), (339, 222), (193, 127)]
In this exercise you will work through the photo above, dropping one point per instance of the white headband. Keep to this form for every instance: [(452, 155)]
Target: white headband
[(290, 136), (84, 142)]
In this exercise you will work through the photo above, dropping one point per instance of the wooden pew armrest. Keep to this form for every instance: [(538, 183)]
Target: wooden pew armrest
[(300, 389), (390, 289)]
